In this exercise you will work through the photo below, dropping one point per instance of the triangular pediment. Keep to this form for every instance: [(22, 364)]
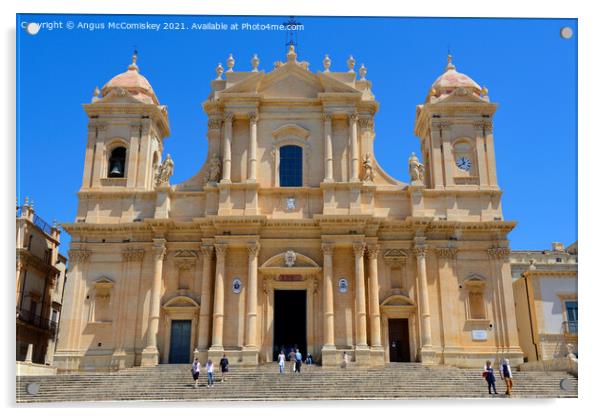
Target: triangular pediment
[(462, 95), (284, 82)]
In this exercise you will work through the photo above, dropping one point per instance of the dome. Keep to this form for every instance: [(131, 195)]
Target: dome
[(131, 80), (450, 80)]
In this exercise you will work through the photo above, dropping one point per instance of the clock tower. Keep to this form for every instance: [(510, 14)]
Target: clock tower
[(455, 130)]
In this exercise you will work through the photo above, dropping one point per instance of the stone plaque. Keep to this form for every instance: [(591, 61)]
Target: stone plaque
[(290, 278), (479, 335)]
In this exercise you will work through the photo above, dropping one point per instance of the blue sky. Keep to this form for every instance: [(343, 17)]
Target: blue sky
[(529, 69)]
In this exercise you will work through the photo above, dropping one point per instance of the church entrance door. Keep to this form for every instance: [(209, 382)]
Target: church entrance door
[(179, 344), (399, 340), (290, 326)]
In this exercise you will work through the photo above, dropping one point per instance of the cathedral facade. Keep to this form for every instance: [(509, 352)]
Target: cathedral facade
[(290, 234)]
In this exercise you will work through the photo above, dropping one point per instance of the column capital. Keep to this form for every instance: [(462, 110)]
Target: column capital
[(159, 248), (499, 253), (353, 117), (420, 251), (253, 116), (229, 116), (77, 256), (253, 248), (358, 248), (221, 249), (373, 250), (441, 125), (206, 250), (327, 116), (446, 252), (214, 123), (366, 122), (327, 249), (133, 254)]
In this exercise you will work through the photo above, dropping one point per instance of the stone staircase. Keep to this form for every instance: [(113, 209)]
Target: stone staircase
[(394, 381)]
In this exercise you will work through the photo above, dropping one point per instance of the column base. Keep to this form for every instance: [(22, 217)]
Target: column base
[(362, 356), (428, 356), (329, 356), (250, 356), (150, 357), (377, 356), (119, 360)]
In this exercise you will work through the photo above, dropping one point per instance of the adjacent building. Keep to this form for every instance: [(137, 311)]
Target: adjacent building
[(290, 233), (41, 272), (545, 294)]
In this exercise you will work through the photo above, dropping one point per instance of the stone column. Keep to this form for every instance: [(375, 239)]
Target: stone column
[(327, 117), (218, 298), (375, 339), (427, 344), (355, 151), (150, 354), (227, 148), (250, 350), (360, 294), (205, 310), (252, 166), (328, 348)]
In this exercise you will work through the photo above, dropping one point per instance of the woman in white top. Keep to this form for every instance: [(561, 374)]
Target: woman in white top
[(281, 359), (196, 370), (506, 373), (209, 368)]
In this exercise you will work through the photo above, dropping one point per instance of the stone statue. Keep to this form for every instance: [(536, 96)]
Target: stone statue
[(416, 169), (165, 171), (215, 168), (368, 172)]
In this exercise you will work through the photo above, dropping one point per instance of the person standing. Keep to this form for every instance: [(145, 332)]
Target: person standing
[(506, 374), (291, 358), (298, 360), (490, 377), (281, 359), (209, 369), (223, 365), (196, 370)]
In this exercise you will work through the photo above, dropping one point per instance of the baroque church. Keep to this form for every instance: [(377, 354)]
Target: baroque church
[(290, 234)]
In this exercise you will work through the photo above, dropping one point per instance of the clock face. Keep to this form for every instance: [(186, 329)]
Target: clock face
[(463, 163)]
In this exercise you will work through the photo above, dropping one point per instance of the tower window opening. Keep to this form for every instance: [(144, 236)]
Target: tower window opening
[(117, 163)]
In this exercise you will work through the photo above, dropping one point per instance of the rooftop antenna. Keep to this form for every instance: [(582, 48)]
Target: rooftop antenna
[(291, 34)]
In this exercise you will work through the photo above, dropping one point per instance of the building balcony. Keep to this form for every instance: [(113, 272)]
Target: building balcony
[(570, 329), (25, 316)]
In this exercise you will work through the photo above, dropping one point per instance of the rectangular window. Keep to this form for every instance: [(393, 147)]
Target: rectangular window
[(571, 315), (291, 166)]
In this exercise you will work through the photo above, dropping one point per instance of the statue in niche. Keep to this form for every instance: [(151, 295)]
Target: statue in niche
[(165, 171), (215, 168), (368, 171), (416, 169)]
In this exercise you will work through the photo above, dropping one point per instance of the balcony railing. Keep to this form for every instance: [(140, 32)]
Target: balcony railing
[(31, 318), (44, 226), (569, 327)]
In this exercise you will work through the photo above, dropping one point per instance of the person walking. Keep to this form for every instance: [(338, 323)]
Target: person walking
[(506, 374), (223, 365), (345, 360), (209, 369), (196, 370), (298, 360), (489, 376), (291, 358), (281, 359)]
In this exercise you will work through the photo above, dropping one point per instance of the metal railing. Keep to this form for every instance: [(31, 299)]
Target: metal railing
[(44, 226), (31, 318), (569, 327)]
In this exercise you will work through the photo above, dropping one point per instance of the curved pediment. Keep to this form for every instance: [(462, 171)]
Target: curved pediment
[(181, 302), (289, 262), (397, 300), (290, 130)]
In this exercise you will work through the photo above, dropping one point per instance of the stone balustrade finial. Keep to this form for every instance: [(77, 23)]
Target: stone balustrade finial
[(326, 63), (254, 63), (363, 72), (230, 63), (219, 70), (351, 64)]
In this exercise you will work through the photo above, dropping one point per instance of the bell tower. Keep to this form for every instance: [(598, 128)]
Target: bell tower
[(126, 129), (455, 130)]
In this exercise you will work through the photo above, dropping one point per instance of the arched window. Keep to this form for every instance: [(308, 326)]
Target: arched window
[(291, 165), (117, 163)]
